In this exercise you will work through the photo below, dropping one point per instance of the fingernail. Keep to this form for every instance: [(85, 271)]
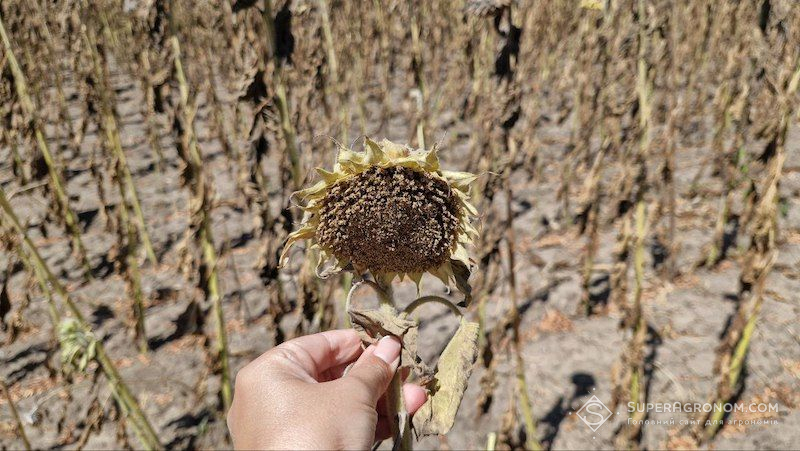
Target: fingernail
[(388, 349)]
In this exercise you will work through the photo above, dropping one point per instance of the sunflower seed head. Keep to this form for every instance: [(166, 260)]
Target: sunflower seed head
[(392, 219)]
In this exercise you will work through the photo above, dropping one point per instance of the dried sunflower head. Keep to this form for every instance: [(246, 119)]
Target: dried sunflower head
[(391, 211)]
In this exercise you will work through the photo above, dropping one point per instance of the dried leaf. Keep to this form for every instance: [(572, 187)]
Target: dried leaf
[(461, 276), (438, 413), (78, 345), (373, 324)]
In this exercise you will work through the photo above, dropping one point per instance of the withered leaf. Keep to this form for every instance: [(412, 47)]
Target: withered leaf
[(461, 275), (373, 324), (438, 413)]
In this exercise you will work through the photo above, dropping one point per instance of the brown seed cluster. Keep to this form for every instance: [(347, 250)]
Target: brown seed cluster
[(391, 219)]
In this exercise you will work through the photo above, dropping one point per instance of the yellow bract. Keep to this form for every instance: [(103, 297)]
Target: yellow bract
[(387, 154)]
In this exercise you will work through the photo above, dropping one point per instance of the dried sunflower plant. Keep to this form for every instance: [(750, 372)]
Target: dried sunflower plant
[(384, 214)]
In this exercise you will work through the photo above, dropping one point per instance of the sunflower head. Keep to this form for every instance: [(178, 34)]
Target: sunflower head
[(391, 211)]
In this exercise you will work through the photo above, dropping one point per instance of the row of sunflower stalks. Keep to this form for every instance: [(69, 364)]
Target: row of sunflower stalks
[(76, 340)]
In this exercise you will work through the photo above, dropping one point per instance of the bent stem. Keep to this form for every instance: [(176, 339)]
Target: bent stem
[(384, 294), (426, 299)]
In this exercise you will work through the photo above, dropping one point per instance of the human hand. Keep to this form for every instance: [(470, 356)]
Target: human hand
[(296, 395)]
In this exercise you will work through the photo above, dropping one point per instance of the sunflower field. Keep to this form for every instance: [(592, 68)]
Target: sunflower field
[(582, 217)]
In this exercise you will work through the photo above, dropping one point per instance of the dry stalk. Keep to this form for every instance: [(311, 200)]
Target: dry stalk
[(17, 420), (281, 96), (73, 139), (590, 212), (151, 121), (531, 441), (56, 180), (113, 143), (330, 55), (759, 260), (220, 121), (201, 205), (385, 27), (591, 196), (52, 308), (128, 235), (506, 116), (418, 65), (725, 99), (670, 192), (633, 359), (128, 402), (736, 111)]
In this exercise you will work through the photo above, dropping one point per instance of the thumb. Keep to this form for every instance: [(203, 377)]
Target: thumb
[(373, 371)]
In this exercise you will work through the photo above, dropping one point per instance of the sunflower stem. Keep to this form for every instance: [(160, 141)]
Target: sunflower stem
[(20, 427), (419, 78), (57, 182), (426, 299), (396, 412), (347, 285), (531, 441), (399, 420), (384, 296), (281, 97), (202, 216)]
